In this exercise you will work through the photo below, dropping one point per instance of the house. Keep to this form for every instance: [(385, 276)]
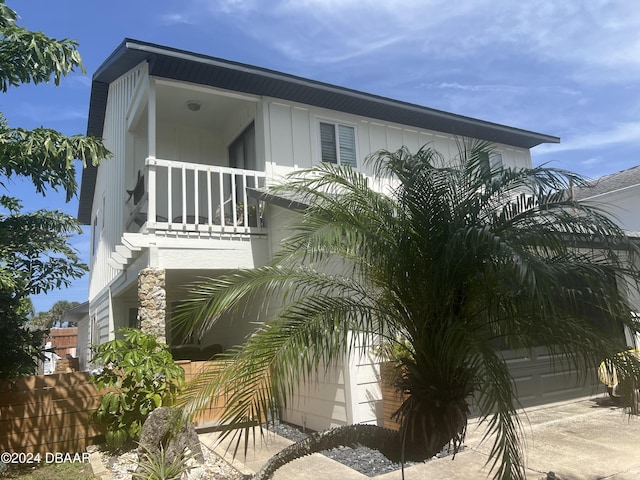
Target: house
[(64, 341), (60, 350), (193, 137), (619, 194)]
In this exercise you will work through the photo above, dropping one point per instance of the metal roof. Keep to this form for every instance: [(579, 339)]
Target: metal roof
[(175, 64)]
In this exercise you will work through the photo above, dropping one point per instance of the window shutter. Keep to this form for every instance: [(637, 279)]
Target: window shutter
[(347, 141), (495, 160), (328, 143)]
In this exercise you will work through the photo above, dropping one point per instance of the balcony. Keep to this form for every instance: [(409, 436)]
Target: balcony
[(178, 197)]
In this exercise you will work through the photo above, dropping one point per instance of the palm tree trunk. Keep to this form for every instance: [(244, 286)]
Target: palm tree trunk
[(388, 442)]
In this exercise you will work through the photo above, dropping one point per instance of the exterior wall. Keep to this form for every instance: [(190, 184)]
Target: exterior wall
[(211, 253), (109, 197), (191, 144), (364, 383), (84, 347), (101, 319), (294, 142), (349, 392), (623, 205), (322, 402)]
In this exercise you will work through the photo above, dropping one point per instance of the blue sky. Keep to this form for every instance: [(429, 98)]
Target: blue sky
[(569, 69)]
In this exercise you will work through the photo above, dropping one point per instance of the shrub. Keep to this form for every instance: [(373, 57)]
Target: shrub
[(155, 465), (141, 376)]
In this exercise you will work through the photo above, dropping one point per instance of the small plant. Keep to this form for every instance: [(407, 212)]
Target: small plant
[(155, 465), (141, 376)]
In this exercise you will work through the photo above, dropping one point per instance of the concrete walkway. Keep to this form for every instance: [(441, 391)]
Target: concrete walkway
[(588, 439)]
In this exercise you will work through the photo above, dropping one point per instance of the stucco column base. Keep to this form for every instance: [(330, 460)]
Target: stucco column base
[(152, 303)]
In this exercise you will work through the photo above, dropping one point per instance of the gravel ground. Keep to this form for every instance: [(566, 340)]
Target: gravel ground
[(364, 460), (123, 465)]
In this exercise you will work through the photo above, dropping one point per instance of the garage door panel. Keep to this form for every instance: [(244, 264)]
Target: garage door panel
[(543, 378)]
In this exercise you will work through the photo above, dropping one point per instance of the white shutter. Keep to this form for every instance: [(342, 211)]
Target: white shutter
[(347, 142), (328, 143)]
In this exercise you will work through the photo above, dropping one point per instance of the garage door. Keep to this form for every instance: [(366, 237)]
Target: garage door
[(540, 378)]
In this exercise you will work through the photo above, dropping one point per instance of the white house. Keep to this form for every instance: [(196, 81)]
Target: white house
[(619, 195), (192, 137)]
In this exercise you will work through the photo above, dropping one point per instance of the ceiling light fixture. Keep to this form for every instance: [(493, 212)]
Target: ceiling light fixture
[(194, 105)]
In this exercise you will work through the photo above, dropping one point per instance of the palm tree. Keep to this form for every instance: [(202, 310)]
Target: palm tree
[(456, 262)]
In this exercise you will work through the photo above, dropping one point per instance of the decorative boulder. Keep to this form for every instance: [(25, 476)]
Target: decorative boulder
[(164, 427)]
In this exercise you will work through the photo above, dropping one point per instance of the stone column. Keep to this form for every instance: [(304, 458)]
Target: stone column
[(152, 303)]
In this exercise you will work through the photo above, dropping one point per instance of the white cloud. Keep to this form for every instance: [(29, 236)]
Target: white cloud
[(591, 37), (177, 18), (623, 133), (482, 88)]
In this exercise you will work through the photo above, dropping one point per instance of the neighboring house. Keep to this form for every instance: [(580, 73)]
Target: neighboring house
[(193, 137), (64, 341), (61, 347), (619, 195)]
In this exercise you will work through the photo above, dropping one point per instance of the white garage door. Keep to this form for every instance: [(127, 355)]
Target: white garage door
[(542, 379)]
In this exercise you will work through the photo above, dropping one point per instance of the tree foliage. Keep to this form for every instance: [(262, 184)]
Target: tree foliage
[(35, 256), (53, 316), (456, 262), (141, 376)]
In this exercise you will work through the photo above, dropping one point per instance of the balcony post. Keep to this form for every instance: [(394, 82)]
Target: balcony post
[(151, 149), (151, 190)]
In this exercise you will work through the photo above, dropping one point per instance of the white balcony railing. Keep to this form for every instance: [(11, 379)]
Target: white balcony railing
[(182, 196)]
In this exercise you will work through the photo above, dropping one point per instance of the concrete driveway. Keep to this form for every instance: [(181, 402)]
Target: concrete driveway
[(587, 439)]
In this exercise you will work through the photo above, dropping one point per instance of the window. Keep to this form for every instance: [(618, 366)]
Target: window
[(495, 160), (338, 144)]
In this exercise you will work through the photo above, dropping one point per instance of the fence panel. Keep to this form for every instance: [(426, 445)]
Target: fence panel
[(213, 410), (51, 413)]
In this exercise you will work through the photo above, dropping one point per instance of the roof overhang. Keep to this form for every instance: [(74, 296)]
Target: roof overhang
[(76, 313), (175, 64), (278, 200)]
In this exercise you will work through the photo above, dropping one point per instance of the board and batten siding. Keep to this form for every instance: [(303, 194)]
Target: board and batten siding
[(322, 402), (100, 323), (107, 218), (293, 138), (347, 392)]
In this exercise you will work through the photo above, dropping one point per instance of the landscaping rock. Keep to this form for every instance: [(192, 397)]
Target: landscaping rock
[(164, 428)]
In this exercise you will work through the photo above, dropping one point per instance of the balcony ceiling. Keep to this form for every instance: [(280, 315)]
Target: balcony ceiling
[(214, 109)]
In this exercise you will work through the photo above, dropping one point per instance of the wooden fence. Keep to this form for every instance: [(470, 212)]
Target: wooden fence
[(212, 412), (52, 413), (391, 398), (48, 413)]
